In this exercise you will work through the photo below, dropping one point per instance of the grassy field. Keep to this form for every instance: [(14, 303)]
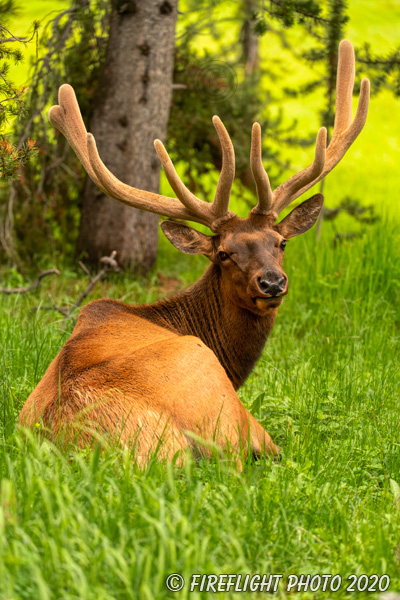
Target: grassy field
[(327, 388), (90, 525)]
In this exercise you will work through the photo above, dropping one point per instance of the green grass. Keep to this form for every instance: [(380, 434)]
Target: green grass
[(89, 525)]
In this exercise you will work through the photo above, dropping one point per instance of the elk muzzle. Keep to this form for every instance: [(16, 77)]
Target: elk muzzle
[(272, 284)]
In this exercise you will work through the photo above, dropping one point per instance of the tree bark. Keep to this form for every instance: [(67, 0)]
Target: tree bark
[(250, 40), (131, 111)]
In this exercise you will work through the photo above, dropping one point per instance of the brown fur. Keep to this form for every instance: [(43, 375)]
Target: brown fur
[(160, 376)]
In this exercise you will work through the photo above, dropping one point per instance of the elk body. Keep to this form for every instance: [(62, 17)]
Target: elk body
[(163, 375)]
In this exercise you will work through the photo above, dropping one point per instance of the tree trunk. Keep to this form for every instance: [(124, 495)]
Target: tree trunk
[(131, 111), (249, 39)]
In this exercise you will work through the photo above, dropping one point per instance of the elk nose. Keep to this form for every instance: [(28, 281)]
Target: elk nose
[(272, 284)]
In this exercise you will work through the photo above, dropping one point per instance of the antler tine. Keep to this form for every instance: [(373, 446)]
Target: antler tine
[(188, 199), (156, 203), (218, 211), (67, 118), (220, 206), (260, 176), (346, 73), (345, 130), (286, 192), (362, 111)]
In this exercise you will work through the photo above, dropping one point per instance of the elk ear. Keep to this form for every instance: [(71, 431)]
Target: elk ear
[(302, 218), (188, 240)]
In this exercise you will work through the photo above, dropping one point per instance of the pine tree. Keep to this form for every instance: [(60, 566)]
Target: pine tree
[(12, 103)]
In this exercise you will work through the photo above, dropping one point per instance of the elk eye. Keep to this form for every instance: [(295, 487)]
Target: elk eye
[(223, 256), (283, 244)]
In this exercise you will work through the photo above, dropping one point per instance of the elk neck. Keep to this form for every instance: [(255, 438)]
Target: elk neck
[(235, 335)]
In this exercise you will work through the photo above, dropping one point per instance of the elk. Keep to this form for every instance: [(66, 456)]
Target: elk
[(164, 375)]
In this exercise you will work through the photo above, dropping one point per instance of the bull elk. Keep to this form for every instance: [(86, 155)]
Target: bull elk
[(169, 371)]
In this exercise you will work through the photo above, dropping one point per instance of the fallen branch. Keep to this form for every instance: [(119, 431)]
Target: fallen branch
[(32, 286), (55, 307), (110, 264)]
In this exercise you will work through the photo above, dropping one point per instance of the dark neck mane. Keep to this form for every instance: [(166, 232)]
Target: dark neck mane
[(236, 336)]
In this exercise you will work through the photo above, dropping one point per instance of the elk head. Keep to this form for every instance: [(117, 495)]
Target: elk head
[(248, 252)]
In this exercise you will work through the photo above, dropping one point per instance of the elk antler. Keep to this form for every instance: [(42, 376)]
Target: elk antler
[(67, 118), (345, 131)]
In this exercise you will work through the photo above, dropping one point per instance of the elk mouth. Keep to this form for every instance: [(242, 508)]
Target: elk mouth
[(271, 301)]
